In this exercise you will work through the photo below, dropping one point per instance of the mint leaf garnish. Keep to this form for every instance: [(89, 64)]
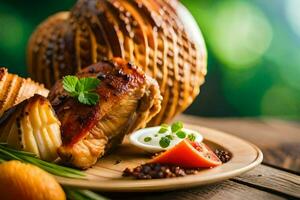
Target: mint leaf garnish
[(89, 83), (88, 98), (82, 89), (69, 84)]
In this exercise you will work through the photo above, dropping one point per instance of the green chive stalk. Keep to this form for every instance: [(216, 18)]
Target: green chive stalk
[(7, 154), (77, 194)]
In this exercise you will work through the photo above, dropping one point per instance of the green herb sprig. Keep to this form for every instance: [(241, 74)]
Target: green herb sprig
[(176, 130), (82, 89), (7, 153), (78, 194)]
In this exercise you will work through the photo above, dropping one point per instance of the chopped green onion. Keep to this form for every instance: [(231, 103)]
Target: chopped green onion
[(163, 130), (165, 125), (177, 126), (181, 134), (77, 194), (192, 137), (7, 153), (164, 142), (171, 137), (147, 139)]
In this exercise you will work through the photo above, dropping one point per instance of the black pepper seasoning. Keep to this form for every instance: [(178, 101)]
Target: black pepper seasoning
[(158, 171), (224, 156)]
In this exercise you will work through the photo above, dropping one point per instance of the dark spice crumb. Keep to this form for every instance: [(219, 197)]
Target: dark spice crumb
[(130, 65), (91, 70), (224, 156), (118, 162), (62, 97), (157, 171)]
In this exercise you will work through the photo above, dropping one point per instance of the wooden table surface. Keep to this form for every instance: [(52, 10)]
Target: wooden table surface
[(277, 178)]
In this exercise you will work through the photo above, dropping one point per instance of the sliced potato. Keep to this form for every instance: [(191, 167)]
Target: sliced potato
[(32, 126), (15, 89)]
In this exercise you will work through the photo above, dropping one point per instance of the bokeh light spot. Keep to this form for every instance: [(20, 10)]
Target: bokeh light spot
[(12, 31), (293, 14), (281, 101), (240, 34), (245, 88)]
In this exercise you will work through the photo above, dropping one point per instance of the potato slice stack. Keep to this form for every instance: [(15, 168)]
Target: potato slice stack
[(157, 35), (15, 89), (32, 126)]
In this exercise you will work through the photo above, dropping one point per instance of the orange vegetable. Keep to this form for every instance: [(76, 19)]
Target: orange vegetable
[(21, 181), (190, 155)]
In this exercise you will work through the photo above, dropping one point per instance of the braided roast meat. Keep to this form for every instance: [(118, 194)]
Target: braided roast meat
[(160, 36)]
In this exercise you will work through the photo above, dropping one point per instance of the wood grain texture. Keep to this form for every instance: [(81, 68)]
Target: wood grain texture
[(279, 140), (272, 180), (222, 191), (261, 183)]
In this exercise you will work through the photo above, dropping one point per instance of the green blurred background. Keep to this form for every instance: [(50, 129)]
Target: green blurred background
[(253, 48)]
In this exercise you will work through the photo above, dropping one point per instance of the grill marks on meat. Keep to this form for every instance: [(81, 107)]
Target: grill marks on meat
[(128, 100)]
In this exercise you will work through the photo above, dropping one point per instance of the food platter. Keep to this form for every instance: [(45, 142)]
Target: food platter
[(106, 175)]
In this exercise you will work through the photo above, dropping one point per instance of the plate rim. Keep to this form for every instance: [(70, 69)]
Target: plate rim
[(184, 182)]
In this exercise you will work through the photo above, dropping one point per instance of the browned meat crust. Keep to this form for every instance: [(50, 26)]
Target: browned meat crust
[(128, 100)]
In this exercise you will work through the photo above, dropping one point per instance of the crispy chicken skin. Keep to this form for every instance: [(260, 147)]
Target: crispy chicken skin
[(128, 100)]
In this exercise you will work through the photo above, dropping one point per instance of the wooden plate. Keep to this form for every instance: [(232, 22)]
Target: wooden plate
[(107, 174)]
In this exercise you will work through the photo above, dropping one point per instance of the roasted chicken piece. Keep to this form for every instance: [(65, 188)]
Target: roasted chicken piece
[(32, 126), (128, 100)]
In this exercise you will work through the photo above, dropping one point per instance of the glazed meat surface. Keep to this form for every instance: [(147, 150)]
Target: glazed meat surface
[(128, 100)]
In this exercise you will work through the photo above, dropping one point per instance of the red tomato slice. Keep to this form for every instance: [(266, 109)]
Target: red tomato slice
[(190, 155)]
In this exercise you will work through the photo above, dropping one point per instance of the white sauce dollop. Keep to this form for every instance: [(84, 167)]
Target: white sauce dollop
[(152, 145)]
